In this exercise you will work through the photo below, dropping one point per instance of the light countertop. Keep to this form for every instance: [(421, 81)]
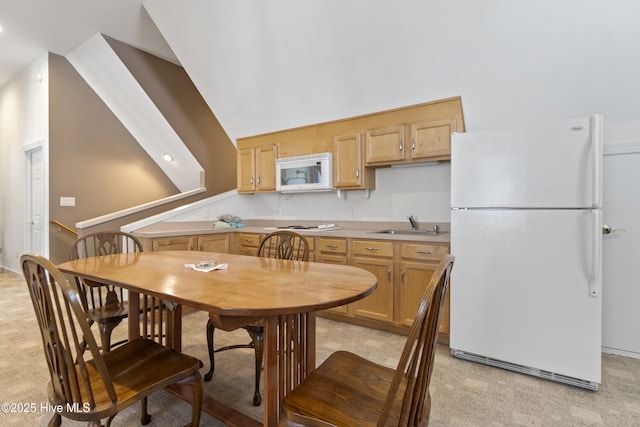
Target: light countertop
[(345, 229)]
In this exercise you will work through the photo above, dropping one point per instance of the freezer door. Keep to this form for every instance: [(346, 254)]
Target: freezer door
[(521, 288), (550, 165)]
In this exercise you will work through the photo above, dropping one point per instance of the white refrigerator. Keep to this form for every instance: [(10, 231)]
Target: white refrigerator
[(526, 231)]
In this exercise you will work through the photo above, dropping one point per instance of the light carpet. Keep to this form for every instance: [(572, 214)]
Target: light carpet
[(463, 393)]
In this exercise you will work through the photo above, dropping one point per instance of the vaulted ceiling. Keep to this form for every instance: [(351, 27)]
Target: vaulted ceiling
[(262, 65)]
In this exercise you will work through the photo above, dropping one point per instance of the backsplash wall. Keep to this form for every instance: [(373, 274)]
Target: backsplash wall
[(423, 191)]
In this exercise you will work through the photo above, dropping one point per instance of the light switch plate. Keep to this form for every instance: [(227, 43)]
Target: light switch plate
[(67, 201)]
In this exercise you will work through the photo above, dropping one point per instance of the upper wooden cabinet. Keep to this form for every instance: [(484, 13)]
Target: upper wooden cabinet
[(412, 134), (349, 172), (385, 145), (421, 141), (431, 139), (257, 169)]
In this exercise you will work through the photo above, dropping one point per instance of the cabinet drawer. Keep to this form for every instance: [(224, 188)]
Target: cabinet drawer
[(426, 251), (372, 248), (249, 240), (247, 244), (173, 244), (337, 246)]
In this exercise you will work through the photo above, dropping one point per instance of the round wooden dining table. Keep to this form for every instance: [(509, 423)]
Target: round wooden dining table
[(285, 294)]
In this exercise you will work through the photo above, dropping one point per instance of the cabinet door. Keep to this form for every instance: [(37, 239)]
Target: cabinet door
[(333, 251), (178, 243), (378, 305), (384, 145), (266, 168), (214, 243), (414, 278), (246, 170), (431, 139), (348, 164), (338, 259)]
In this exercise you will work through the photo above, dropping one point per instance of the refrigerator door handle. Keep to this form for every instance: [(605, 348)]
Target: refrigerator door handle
[(596, 140), (595, 282)]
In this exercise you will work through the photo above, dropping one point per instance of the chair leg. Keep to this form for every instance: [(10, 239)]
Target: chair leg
[(145, 418), (257, 335), (105, 334), (210, 330), (55, 421), (195, 382)]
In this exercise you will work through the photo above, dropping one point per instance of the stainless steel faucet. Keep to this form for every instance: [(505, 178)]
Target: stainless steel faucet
[(414, 224)]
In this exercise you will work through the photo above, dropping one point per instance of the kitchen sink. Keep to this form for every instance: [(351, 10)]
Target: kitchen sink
[(411, 232)]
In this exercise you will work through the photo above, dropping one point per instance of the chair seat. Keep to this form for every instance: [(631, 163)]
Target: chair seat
[(109, 313), (345, 390), (162, 366)]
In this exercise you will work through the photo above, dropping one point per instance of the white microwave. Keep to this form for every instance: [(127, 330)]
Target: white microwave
[(304, 173)]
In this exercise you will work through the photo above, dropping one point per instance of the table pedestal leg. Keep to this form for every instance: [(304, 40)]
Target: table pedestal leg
[(289, 356)]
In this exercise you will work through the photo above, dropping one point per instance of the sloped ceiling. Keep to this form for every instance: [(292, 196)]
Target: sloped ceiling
[(31, 28), (264, 66), (269, 65)]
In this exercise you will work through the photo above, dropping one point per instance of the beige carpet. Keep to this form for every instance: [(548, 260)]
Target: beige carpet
[(464, 393)]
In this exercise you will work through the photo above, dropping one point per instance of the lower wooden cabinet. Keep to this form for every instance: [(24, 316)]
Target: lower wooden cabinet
[(219, 242), (247, 243), (418, 262), (178, 243), (332, 251), (376, 257), (403, 270), (214, 243)]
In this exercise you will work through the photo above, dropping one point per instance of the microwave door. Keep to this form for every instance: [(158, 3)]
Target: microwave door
[(301, 173)]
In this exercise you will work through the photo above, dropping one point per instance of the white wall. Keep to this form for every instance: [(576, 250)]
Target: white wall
[(23, 121), (267, 66)]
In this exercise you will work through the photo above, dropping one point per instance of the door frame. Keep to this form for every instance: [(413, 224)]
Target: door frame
[(28, 149), (616, 149)]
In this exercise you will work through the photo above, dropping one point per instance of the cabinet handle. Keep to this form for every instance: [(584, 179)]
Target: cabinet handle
[(372, 249), (200, 248), (402, 274), (401, 146), (258, 180), (358, 173), (248, 240), (251, 180), (429, 252), (413, 145), (332, 246), (389, 275)]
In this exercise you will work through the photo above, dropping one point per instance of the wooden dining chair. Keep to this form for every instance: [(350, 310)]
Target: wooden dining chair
[(347, 390), (91, 389), (104, 304), (280, 245)]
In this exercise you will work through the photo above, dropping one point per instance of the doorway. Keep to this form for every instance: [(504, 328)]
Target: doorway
[(621, 254), (36, 226)]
